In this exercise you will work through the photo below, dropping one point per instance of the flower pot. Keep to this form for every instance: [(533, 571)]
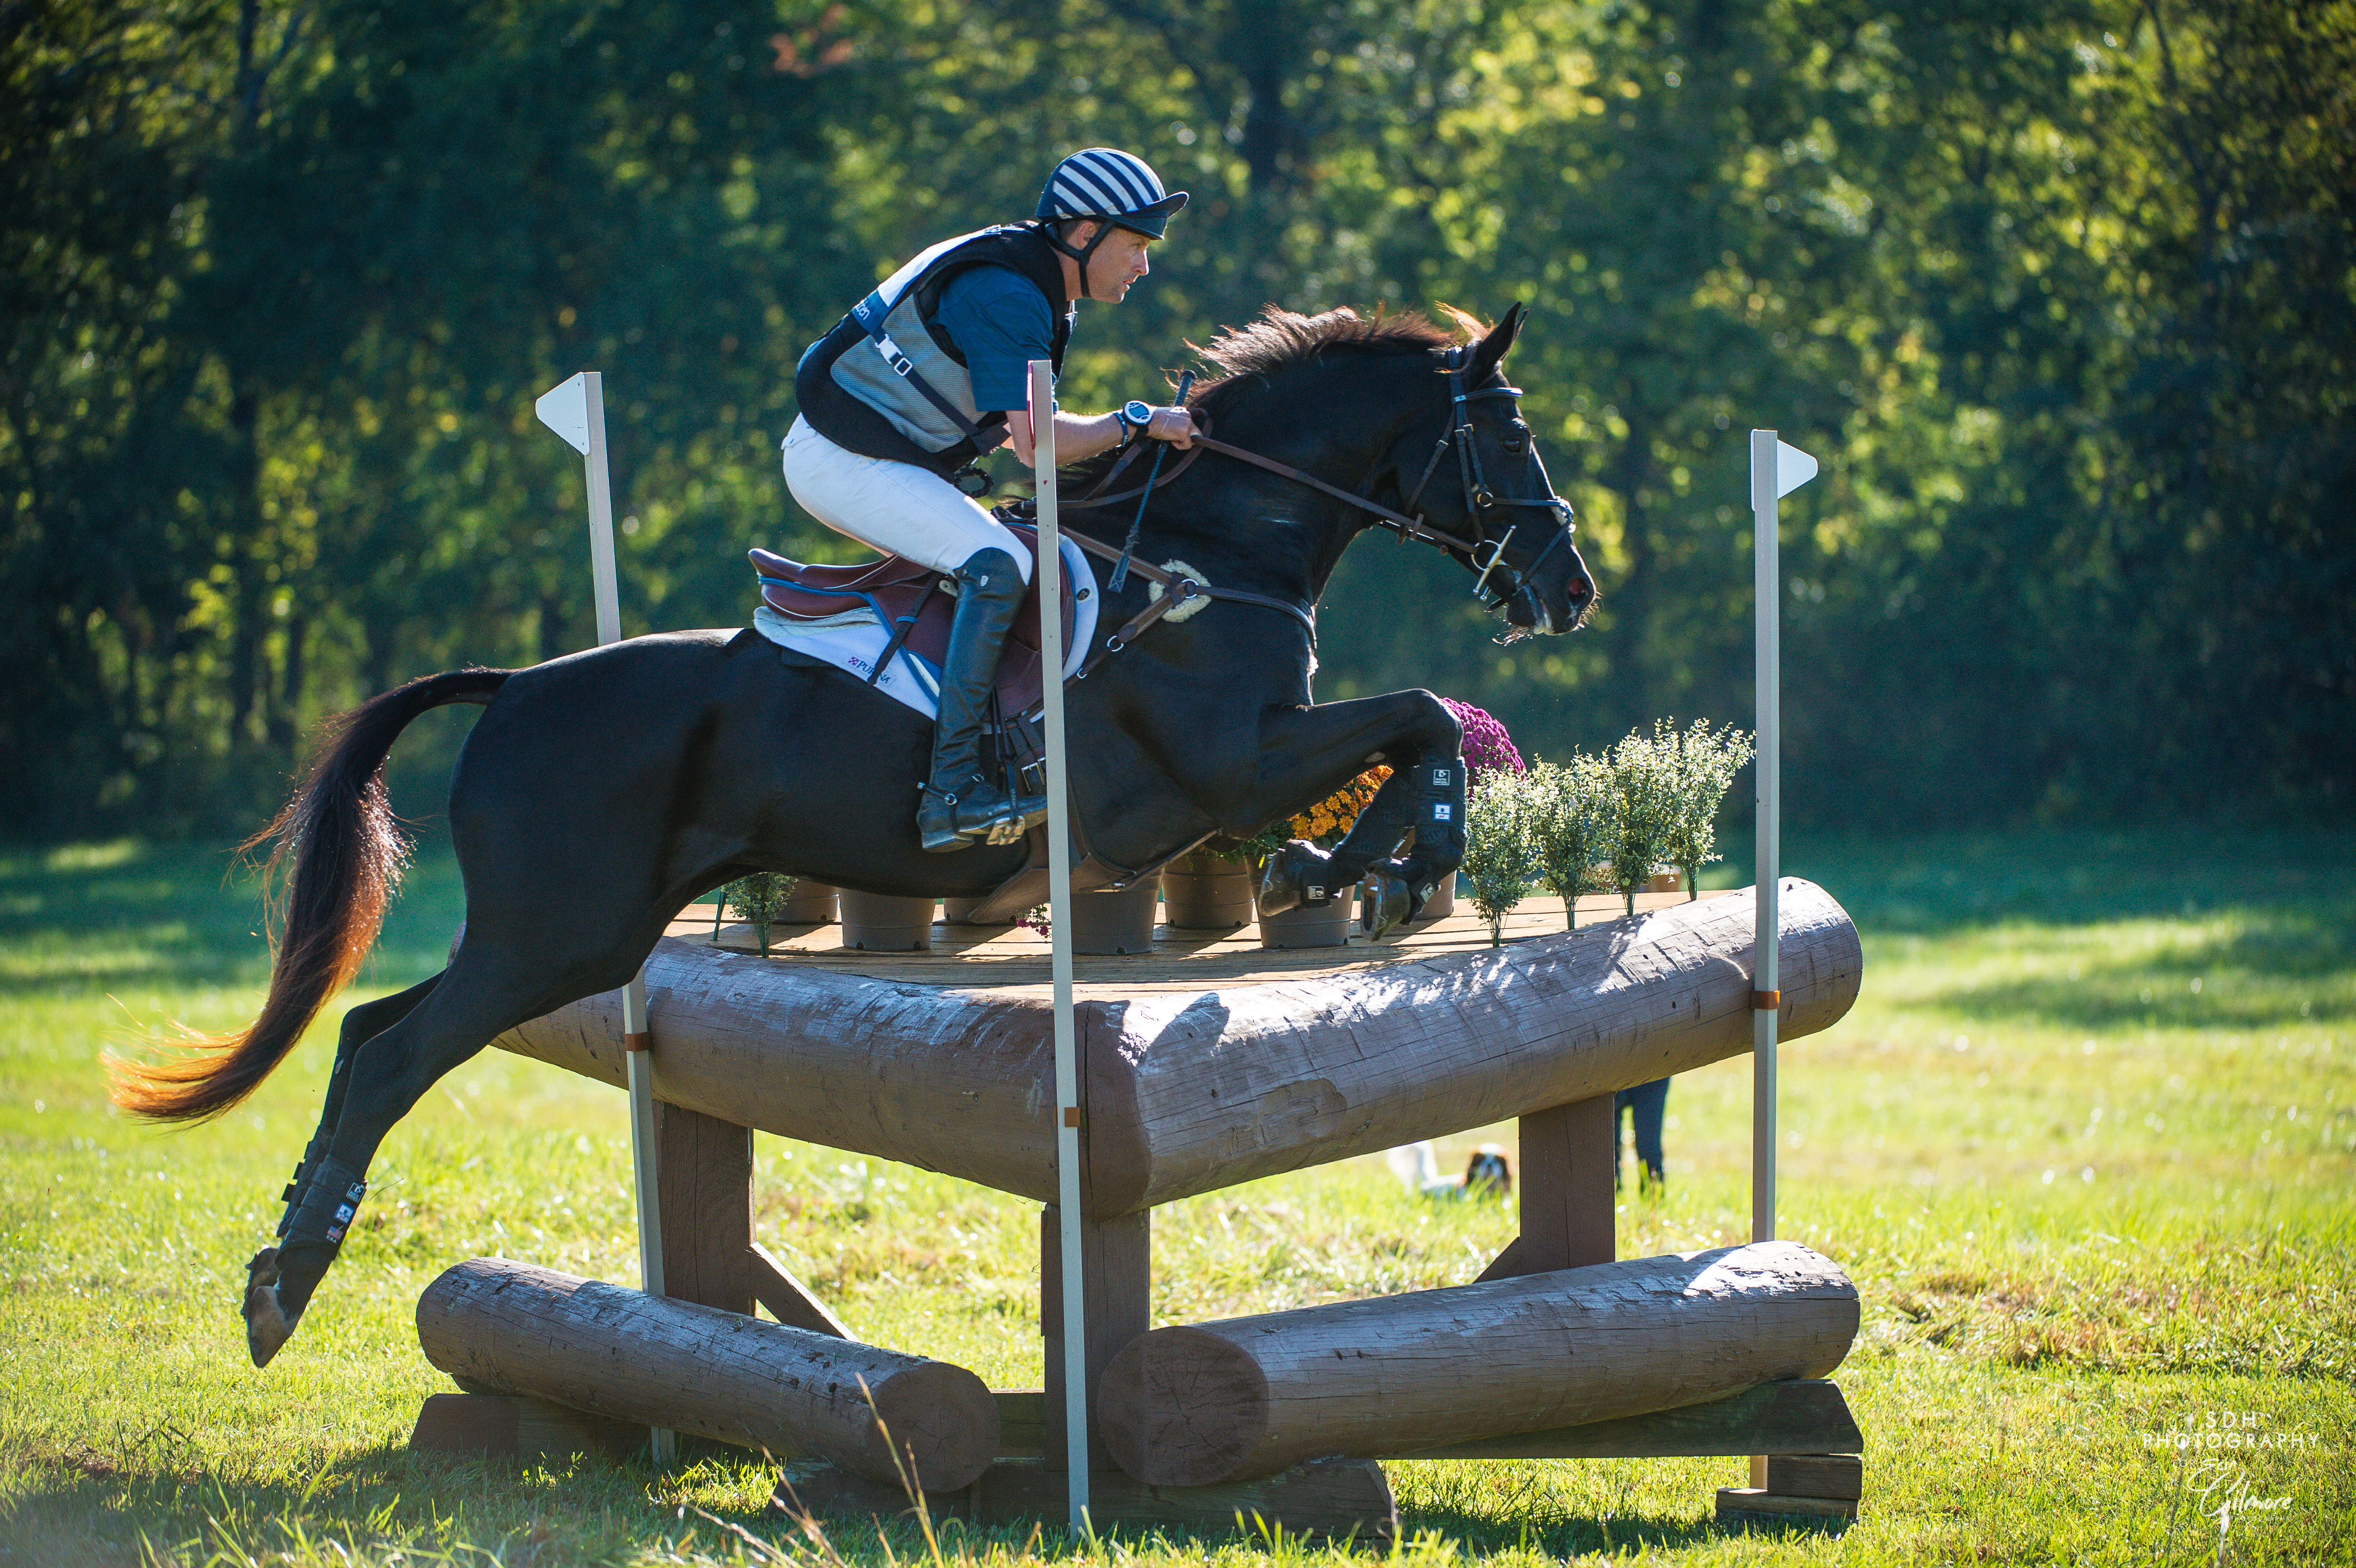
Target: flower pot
[(1202, 891), (812, 905), (1658, 883), (1116, 923), (878, 922), (1312, 925), (960, 911)]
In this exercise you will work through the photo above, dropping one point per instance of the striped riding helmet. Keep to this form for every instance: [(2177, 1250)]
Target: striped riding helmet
[(1106, 183)]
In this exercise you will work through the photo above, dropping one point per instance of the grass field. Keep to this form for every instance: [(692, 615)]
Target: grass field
[(2086, 1145)]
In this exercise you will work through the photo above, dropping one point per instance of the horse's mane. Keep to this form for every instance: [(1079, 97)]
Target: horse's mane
[(1281, 340)]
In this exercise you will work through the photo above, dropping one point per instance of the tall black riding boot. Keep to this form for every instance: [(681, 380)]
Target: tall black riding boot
[(958, 805)]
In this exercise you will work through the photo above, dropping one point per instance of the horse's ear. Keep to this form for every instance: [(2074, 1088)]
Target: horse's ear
[(1489, 352)]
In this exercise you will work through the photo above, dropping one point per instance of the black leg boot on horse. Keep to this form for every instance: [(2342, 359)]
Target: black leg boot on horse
[(1426, 797), (1397, 890), (959, 806)]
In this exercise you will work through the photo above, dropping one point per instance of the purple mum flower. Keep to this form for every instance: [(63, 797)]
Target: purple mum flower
[(1487, 747)]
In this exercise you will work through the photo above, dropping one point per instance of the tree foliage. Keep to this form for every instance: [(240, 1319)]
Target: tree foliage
[(2063, 296)]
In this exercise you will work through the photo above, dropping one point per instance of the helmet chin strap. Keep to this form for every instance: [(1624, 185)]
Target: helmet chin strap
[(1082, 257)]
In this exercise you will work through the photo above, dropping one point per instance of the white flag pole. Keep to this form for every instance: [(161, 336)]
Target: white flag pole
[(1777, 470), (576, 410), (1059, 908), (1767, 776), (1766, 655)]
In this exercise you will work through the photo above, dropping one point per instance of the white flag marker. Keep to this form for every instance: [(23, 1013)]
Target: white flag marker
[(564, 408), (1059, 936), (1777, 470), (1794, 468), (575, 410)]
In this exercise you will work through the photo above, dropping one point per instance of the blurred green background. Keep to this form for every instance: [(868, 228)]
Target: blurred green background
[(2060, 292)]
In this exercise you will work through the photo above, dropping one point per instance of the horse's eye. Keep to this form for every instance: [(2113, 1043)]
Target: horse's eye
[(1518, 439)]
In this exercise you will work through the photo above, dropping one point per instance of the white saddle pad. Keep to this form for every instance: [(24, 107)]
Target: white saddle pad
[(856, 639)]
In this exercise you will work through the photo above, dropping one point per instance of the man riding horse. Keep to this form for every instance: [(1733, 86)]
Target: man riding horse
[(691, 758), (929, 373)]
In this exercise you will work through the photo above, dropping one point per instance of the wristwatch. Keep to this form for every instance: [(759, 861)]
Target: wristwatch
[(1134, 416)]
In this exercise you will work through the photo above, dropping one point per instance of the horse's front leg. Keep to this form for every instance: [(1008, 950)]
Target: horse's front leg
[(1432, 806), (1419, 739)]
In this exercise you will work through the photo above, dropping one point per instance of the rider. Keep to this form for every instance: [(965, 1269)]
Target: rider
[(925, 374)]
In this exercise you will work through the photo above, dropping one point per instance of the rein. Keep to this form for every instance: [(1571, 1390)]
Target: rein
[(1478, 498)]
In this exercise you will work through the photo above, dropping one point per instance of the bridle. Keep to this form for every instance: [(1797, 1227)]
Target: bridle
[(1408, 523), (1479, 498)]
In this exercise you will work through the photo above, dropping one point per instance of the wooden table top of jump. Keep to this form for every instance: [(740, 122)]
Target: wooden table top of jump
[(1015, 959)]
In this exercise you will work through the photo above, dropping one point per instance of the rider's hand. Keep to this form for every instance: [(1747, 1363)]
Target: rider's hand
[(1173, 425)]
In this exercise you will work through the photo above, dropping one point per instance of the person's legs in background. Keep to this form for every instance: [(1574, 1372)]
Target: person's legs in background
[(1647, 1106)]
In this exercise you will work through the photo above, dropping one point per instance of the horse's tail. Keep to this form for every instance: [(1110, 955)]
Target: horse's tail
[(347, 853)]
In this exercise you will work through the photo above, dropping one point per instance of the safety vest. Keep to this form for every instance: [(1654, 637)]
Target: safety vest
[(886, 383)]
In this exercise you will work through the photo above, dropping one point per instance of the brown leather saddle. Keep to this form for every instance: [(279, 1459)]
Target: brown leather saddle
[(915, 604)]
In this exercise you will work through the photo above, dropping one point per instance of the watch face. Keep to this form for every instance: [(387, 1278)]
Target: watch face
[(1138, 412)]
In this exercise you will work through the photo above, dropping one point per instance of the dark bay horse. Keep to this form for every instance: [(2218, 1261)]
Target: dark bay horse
[(600, 793)]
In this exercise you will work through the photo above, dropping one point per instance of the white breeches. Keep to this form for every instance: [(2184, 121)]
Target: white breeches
[(896, 507)]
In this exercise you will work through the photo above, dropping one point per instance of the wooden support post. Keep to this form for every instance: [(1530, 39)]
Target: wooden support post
[(1565, 1191), (709, 1255), (1116, 1271), (788, 1299), (705, 1182)]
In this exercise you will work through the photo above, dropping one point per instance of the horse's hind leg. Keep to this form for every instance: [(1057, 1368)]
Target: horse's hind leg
[(361, 1024), (488, 988)]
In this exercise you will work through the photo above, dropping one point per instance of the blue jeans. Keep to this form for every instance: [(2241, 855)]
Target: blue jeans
[(1646, 1105)]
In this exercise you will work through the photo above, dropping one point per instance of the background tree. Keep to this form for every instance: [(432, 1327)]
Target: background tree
[(2061, 296)]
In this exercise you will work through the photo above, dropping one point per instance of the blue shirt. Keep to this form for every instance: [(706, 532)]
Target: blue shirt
[(1000, 322)]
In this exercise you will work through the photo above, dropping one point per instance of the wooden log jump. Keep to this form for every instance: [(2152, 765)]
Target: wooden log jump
[(1218, 1403), (1193, 1089), (1199, 1071), (507, 1327)]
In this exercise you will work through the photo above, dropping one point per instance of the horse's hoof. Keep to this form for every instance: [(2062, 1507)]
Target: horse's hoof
[(1278, 891), (267, 1327), (1385, 903), (1293, 876)]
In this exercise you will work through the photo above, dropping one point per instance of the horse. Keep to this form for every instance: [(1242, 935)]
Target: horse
[(602, 792)]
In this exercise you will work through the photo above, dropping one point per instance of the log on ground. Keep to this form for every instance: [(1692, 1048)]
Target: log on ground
[(510, 1328), (1215, 1403), (1187, 1091)]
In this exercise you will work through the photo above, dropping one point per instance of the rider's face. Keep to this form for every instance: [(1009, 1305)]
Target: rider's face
[(1118, 262)]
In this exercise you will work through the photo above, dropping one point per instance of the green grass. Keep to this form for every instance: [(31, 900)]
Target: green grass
[(2086, 1145)]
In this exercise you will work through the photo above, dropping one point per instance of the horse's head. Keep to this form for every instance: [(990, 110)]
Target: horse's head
[(1477, 480)]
